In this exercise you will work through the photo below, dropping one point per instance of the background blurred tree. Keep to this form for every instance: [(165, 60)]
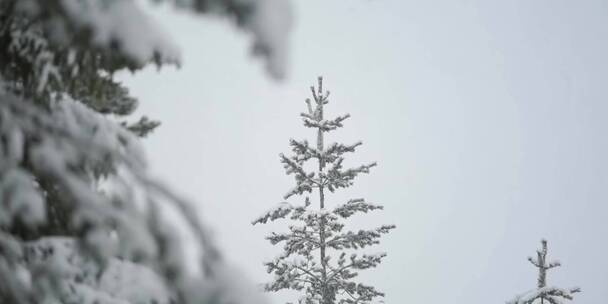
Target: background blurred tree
[(78, 212)]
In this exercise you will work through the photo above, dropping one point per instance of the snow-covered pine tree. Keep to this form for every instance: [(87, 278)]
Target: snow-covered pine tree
[(317, 234), (544, 293), (79, 214)]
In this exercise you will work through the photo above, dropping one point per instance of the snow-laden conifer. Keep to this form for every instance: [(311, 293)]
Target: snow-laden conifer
[(81, 219), (319, 258), (544, 293)]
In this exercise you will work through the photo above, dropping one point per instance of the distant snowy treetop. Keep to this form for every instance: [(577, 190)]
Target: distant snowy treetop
[(552, 294)]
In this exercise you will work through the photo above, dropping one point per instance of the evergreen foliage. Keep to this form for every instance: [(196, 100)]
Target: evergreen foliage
[(78, 210), (319, 258)]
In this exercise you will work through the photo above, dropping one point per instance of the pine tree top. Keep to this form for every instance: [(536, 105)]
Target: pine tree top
[(551, 294)]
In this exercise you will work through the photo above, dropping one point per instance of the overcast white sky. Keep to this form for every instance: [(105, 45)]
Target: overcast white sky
[(488, 120)]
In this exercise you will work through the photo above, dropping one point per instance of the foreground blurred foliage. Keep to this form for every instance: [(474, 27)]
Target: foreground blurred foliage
[(80, 218)]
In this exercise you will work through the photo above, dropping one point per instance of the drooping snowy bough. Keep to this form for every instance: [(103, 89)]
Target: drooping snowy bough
[(317, 234), (544, 293), (80, 217)]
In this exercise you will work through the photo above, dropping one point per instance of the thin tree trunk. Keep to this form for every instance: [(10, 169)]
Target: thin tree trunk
[(324, 291)]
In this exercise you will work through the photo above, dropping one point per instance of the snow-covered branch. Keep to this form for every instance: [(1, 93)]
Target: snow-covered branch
[(360, 239), (323, 125), (292, 274), (337, 178), (335, 150), (305, 182), (280, 211), (549, 293), (303, 151), (125, 27), (353, 206), (58, 143)]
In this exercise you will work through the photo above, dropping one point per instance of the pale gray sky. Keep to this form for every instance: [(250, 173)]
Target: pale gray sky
[(487, 119)]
